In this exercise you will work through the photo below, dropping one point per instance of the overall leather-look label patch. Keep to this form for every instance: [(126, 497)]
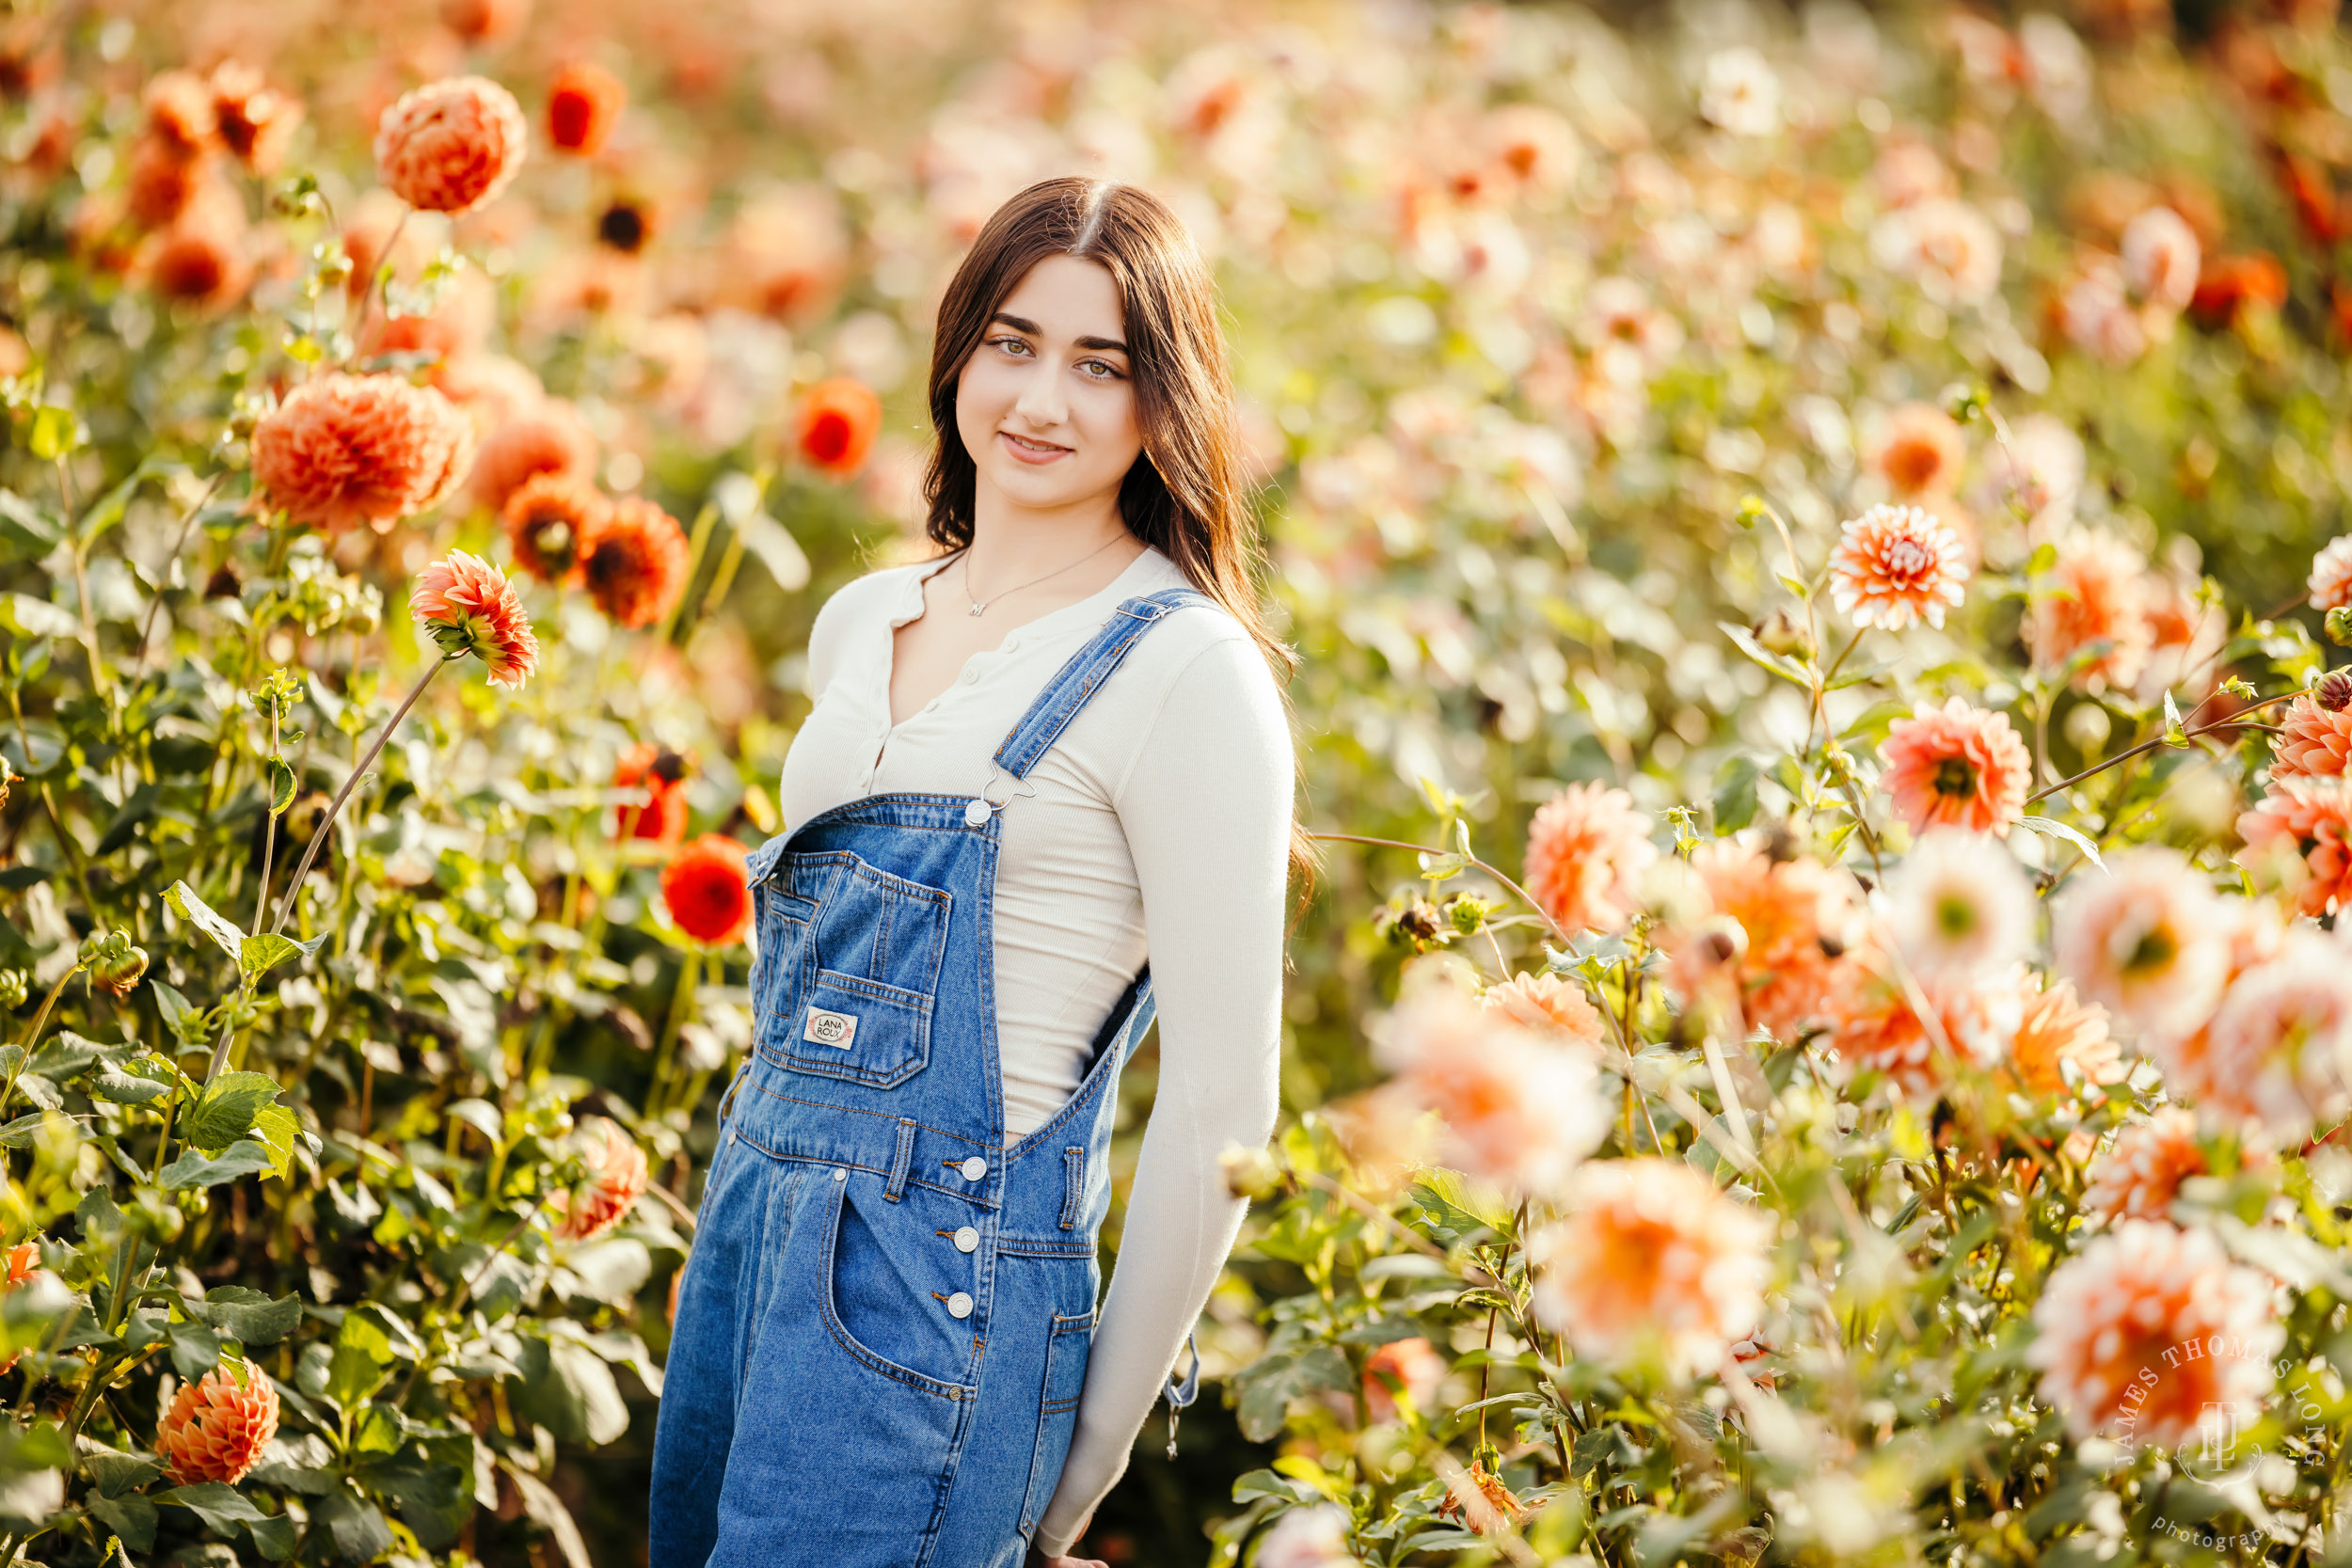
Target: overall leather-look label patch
[(830, 1028)]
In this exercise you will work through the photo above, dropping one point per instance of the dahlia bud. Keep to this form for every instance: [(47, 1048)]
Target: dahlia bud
[(1752, 511), (15, 985), (8, 777), (1416, 923), (1467, 913), (2338, 626), (1783, 633), (217, 1426), (1249, 1173), (2334, 690), (113, 963)]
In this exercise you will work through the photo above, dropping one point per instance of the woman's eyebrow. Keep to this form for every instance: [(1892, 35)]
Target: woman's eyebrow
[(1020, 324)]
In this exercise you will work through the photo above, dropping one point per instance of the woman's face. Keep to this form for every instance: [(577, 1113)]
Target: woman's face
[(1046, 405)]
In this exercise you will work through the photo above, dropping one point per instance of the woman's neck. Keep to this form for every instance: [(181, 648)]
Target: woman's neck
[(1014, 543)]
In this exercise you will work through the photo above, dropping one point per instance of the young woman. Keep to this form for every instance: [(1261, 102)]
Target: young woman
[(1054, 752)]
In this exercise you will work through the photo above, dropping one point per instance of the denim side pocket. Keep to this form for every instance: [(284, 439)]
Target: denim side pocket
[(1066, 1356)]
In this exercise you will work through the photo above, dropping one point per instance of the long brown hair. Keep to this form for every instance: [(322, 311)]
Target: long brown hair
[(1185, 495)]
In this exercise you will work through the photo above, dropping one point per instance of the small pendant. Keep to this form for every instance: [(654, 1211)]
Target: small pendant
[(977, 608)]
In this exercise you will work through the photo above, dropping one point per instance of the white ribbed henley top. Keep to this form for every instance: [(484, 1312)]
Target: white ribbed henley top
[(1159, 824)]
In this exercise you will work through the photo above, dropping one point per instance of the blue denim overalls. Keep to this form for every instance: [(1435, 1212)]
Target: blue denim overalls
[(882, 1331)]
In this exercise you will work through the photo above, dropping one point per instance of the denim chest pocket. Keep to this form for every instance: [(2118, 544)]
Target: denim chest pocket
[(866, 952)]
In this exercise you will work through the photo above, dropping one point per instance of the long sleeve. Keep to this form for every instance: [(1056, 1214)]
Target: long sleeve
[(1206, 809)]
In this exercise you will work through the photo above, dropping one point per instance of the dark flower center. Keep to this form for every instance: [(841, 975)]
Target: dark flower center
[(1954, 776)]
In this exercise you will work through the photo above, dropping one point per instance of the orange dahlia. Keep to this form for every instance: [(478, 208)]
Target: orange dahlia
[(179, 115), (839, 420), (219, 1425), (637, 570), (24, 1263), (1650, 1257), (469, 607), (351, 449), (2138, 1179), (1920, 450), (2092, 614), (1586, 850), (1874, 1027), (707, 889), (583, 104), (1546, 1002), (548, 438), (199, 260), (551, 524), (661, 773), (615, 1177), (1769, 933), (2060, 1042), (2228, 285), (1895, 565), (162, 182), (1517, 1109), (1957, 765), (256, 121), (2330, 581), (1405, 1370), (2125, 1307), (451, 146), (2312, 743), (2299, 836)]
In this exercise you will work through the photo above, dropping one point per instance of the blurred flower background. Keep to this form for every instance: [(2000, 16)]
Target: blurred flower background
[(1838, 501)]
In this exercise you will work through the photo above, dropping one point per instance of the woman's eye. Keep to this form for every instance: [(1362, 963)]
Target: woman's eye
[(1010, 345), (1099, 370)]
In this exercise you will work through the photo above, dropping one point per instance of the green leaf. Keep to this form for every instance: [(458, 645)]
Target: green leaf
[(258, 955), (567, 1389), (1745, 642), (221, 1507), (55, 432), (116, 1473), (1437, 869), (1735, 793), (274, 1538), (125, 1088), (195, 1170), (277, 1127), (282, 786), (126, 820), (362, 1351), (132, 1517), (185, 1023), (360, 1531), (188, 906), (227, 1109), (248, 1315), (195, 1349), (2175, 734), (24, 527), (2053, 829), (27, 616)]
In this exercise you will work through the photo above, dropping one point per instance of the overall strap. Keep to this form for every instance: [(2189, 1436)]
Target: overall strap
[(1078, 680)]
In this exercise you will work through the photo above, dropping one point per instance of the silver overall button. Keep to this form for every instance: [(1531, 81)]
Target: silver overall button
[(966, 1239), (975, 1168), (840, 1173), (958, 1306), (976, 814)]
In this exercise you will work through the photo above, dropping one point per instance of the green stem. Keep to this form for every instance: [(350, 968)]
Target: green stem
[(1524, 896), (32, 1035), (327, 823), (681, 1002), (2230, 723)]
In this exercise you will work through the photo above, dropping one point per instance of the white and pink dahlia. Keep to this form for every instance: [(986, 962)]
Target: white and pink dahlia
[(2148, 1331), (1959, 907), (2139, 940), (1586, 850)]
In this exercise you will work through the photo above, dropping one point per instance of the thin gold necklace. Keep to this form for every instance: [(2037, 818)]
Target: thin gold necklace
[(980, 605)]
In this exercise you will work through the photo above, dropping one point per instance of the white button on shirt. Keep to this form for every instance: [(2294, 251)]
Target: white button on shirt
[(1158, 824)]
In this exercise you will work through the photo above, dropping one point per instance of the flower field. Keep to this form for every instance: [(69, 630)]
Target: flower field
[(1816, 539)]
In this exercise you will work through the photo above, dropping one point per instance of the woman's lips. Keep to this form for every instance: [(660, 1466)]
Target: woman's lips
[(1025, 451)]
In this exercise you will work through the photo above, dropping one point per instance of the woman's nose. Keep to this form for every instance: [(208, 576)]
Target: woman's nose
[(1040, 401)]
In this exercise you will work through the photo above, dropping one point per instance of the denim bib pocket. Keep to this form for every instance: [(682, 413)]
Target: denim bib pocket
[(1066, 1354), (870, 946)]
